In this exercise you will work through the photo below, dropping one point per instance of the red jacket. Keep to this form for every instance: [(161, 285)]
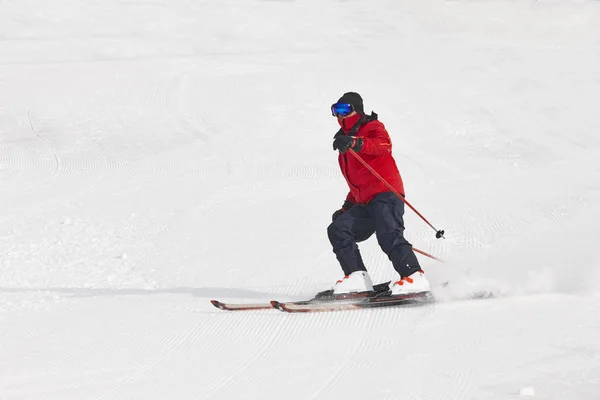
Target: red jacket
[(377, 152)]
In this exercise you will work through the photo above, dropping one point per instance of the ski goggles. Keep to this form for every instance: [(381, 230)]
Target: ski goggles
[(341, 109)]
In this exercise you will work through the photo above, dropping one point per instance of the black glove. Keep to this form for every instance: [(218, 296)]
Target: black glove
[(343, 143), (347, 205), (336, 214)]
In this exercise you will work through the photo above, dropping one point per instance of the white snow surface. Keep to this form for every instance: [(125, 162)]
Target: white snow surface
[(155, 155)]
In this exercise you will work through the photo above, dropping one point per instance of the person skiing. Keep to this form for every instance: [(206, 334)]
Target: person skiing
[(370, 207)]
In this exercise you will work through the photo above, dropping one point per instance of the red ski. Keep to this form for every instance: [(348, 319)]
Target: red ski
[(325, 296), (241, 307)]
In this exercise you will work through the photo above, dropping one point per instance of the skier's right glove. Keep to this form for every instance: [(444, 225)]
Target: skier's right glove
[(347, 205), (343, 143)]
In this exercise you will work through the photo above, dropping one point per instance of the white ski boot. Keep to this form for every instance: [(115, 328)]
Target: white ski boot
[(415, 283), (356, 282)]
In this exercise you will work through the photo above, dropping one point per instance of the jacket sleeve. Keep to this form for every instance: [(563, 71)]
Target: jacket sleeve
[(377, 141)]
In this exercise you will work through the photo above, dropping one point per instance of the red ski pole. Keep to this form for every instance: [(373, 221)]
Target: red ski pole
[(426, 254), (438, 233)]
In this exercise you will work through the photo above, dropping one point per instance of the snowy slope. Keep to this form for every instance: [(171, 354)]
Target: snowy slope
[(156, 155)]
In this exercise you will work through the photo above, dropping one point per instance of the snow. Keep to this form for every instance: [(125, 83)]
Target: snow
[(527, 391), (156, 155)]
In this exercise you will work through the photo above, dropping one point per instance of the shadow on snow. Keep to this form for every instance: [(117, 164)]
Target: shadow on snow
[(208, 292)]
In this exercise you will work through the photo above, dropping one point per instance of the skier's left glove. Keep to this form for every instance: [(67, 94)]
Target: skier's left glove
[(336, 214), (343, 143), (347, 205)]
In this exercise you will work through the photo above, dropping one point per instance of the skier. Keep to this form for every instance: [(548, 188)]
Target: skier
[(370, 206)]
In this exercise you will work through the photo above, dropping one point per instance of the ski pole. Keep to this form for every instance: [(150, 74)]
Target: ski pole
[(438, 233), (427, 254)]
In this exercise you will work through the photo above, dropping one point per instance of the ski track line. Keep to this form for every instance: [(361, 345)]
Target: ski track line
[(340, 373), (52, 156), (44, 138), (153, 341), (480, 230), (175, 97), (67, 162), (25, 161), (43, 131), (41, 332), (31, 334), (134, 96), (134, 146), (199, 329), (558, 213), (75, 353), (164, 96), (149, 168), (460, 388), (355, 318), (383, 317), (11, 164), (315, 322), (276, 326), (122, 158)]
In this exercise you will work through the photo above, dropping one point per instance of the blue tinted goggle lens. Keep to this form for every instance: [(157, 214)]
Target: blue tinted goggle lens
[(341, 109)]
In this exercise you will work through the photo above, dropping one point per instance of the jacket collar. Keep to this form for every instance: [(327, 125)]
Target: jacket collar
[(348, 123), (354, 123)]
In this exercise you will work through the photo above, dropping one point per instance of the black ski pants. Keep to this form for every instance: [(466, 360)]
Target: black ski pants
[(383, 216)]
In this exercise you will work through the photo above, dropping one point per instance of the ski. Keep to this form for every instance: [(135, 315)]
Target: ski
[(241, 307), (416, 299), (326, 301), (324, 296)]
